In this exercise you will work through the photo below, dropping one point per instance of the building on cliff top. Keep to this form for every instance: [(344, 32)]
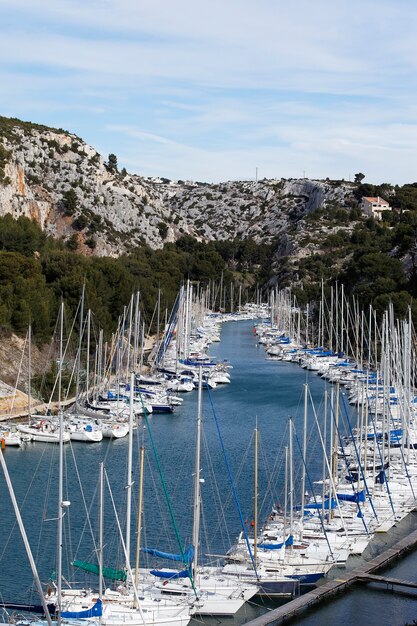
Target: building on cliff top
[(374, 207)]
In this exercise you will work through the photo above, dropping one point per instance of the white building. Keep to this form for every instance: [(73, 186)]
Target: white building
[(374, 207)]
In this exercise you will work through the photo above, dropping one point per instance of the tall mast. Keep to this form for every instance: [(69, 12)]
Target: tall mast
[(197, 495), (100, 532), (80, 339), (87, 374), (291, 480), (60, 472), (285, 493), (129, 337), (255, 507), (158, 330), (129, 470), (323, 493), (29, 371), (140, 507), (303, 473)]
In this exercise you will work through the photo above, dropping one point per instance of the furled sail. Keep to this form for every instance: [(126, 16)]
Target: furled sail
[(277, 546), (108, 572), (159, 573), (358, 496), (186, 558), (328, 504)]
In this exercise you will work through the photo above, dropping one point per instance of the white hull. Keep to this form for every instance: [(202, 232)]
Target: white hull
[(43, 435), (86, 436)]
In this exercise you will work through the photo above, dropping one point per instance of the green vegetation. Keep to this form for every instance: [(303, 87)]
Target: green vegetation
[(163, 229), (376, 261), (9, 125), (36, 272), (70, 201), (4, 157), (112, 163)]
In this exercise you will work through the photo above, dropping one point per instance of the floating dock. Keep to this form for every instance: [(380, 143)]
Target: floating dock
[(331, 588)]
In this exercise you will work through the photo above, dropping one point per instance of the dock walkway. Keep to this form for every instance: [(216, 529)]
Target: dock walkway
[(328, 590)]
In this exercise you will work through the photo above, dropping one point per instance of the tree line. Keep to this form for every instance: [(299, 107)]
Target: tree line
[(37, 271)]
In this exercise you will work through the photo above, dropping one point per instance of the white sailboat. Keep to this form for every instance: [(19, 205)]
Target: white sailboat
[(217, 593)]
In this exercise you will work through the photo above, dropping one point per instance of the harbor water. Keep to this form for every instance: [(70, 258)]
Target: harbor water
[(263, 394)]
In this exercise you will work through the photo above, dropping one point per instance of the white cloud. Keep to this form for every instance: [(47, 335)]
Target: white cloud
[(210, 90)]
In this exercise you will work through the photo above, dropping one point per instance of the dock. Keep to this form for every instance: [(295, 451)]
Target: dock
[(363, 574)]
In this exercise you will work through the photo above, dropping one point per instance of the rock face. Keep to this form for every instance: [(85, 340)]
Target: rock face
[(114, 212)]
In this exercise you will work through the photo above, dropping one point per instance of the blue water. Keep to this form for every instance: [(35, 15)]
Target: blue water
[(263, 394)]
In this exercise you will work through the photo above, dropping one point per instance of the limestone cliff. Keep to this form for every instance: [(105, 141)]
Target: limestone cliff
[(115, 211)]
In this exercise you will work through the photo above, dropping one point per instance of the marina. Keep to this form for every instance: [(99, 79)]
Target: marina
[(263, 395), (326, 591)]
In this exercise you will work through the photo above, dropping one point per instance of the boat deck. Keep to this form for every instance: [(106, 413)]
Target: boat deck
[(363, 574)]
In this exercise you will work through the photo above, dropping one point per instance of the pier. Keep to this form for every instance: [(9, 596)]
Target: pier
[(363, 574)]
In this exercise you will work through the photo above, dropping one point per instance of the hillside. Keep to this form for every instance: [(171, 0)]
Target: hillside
[(294, 233), (54, 177)]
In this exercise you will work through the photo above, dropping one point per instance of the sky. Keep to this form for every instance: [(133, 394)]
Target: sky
[(221, 90)]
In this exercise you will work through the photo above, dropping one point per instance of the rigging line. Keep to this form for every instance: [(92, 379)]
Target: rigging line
[(18, 373), (162, 526), (232, 482), (218, 504), (313, 493), (47, 495), (221, 506), (135, 592), (171, 511), (29, 490), (238, 474), (275, 472), (357, 456), (271, 485), (342, 447), (332, 483), (88, 511), (67, 526), (382, 465)]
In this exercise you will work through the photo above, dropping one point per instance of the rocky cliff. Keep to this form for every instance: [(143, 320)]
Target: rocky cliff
[(114, 211)]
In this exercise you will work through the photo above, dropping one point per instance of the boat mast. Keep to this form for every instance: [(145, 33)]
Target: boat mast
[(100, 532), (140, 507), (255, 526), (197, 484), (29, 371), (129, 469), (303, 473), (80, 339), (323, 492), (60, 474), (291, 480), (285, 494), (87, 374)]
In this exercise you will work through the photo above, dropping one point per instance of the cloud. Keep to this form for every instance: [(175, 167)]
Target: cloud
[(212, 90)]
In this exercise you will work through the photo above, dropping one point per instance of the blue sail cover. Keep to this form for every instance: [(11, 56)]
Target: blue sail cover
[(187, 558), (162, 574), (95, 611), (328, 504), (277, 546), (197, 363), (352, 497)]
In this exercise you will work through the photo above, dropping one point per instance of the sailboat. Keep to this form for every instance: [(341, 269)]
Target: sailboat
[(40, 428), (271, 584), (118, 608), (217, 594)]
